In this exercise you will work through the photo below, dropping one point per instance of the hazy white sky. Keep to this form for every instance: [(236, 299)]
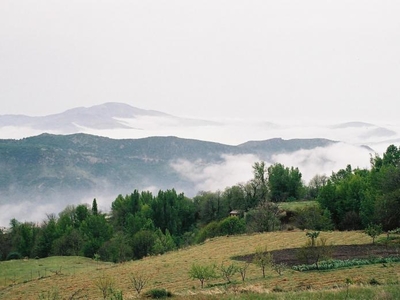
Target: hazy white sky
[(277, 60)]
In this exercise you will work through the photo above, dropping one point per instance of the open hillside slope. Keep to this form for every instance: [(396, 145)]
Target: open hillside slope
[(31, 278)]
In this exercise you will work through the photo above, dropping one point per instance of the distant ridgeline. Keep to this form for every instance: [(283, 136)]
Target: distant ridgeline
[(64, 166)]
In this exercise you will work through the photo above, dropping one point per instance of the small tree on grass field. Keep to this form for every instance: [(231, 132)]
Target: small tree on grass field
[(105, 284), (227, 271), (315, 250), (243, 269), (263, 259), (139, 281), (373, 231), (202, 273), (279, 267), (313, 236)]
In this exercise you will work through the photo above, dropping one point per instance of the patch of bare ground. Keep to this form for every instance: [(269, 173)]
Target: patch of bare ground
[(339, 252)]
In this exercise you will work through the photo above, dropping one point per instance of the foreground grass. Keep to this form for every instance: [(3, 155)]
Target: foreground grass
[(21, 280), (353, 293)]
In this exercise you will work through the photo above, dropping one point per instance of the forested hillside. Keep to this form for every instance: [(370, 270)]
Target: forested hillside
[(72, 166)]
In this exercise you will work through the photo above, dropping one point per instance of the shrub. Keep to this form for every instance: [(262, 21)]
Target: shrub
[(142, 243), (373, 281), (209, 231), (13, 255), (231, 225), (158, 293)]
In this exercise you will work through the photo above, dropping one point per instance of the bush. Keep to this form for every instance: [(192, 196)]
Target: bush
[(142, 243), (231, 226), (13, 255), (209, 231), (158, 293)]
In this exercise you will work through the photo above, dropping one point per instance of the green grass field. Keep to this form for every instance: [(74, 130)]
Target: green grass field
[(66, 276)]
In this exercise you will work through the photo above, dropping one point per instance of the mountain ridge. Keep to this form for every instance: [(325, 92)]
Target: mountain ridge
[(50, 163)]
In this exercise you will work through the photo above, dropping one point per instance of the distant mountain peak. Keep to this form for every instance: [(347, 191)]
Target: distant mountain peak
[(114, 109), (353, 125)]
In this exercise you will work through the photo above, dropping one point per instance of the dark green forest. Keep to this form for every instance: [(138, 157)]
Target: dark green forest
[(141, 224)]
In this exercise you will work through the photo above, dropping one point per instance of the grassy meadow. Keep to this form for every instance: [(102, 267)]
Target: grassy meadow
[(74, 277)]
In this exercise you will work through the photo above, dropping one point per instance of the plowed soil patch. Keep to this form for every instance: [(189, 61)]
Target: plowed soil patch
[(341, 252)]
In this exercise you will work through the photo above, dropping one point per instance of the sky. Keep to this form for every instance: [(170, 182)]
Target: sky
[(272, 60)]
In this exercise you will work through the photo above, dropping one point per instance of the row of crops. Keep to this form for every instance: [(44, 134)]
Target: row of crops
[(336, 264)]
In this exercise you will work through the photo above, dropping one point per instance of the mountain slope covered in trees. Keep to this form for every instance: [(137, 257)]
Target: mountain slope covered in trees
[(44, 166)]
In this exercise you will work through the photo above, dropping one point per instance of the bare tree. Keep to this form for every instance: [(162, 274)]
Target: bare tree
[(139, 281)]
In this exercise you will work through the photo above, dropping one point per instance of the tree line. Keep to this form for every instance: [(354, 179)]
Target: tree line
[(141, 223)]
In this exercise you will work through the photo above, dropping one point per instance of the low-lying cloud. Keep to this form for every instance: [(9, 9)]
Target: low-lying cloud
[(216, 176), (236, 169), (325, 160), (28, 211)]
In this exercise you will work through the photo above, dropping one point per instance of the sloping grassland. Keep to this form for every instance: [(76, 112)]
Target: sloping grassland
[(28, 279)]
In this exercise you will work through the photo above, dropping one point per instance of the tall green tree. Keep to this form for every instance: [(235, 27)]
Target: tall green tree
[(284, 183), (96, 231), (347, 197), (235, 199), (315, 185), (23, 237), (5, 244), (94, 207), (210, 206), (45, 238), (385, 183)]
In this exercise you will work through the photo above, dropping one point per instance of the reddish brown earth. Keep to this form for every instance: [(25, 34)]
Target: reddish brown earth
[(341, 252)]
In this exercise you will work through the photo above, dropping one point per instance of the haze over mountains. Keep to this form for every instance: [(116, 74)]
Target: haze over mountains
[(101, 151), (118, 120)]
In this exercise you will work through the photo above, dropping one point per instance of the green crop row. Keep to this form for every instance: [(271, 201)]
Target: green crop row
[(336, 264)]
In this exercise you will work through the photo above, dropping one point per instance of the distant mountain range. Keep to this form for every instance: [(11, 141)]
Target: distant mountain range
[(104, 116), (118, 120)]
